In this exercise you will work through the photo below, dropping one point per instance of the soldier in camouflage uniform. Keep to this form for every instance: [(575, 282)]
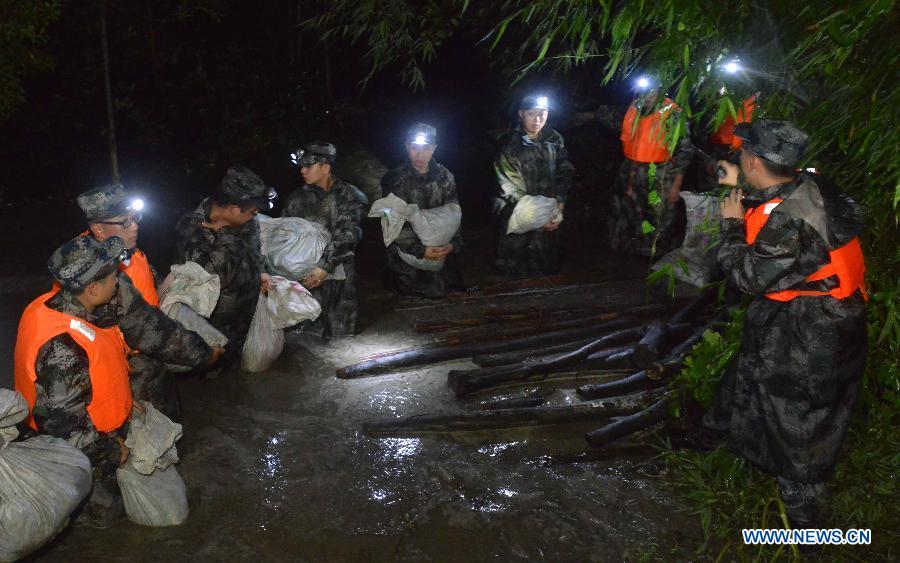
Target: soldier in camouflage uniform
[(630, 204), (424, 182), (339, 207), (222, 235), (92, 290), (786, 401), (532, 161)]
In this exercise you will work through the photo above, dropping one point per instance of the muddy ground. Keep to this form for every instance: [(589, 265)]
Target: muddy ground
[(278, 469)]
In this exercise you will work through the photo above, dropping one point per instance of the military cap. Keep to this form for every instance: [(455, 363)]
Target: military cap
[(313, 153), (421, 134), (780, 142), (241, 186), (104, 202), (534, 102), (76, 263)]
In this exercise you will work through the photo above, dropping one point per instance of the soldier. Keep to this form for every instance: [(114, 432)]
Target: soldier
[(71, 364), (424, 182), (338, 206), (532, 161), (222, 235), (644, 126), (786, 401)]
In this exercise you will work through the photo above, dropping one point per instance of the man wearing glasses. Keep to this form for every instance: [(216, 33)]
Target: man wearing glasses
[(111, 212)]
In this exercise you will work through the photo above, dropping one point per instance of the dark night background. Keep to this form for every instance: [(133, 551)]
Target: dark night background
[(197, 90)]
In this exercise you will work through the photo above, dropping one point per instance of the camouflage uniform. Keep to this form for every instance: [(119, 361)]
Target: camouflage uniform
[(433, 189), (63, 386), (530, 167), (340, 210), (786, 401), (630, 205), (234, 254)]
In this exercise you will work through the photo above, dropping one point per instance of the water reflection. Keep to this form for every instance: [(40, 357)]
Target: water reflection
[(272, 471), (493, 450), (398, 448)]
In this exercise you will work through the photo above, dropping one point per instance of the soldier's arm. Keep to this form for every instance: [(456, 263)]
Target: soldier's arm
[(149, 330), (785, 252), (63, 389), (509, 176), (565, 174), (346, 234), (220, 257), (406, 241), (252, 234), (293, 207)]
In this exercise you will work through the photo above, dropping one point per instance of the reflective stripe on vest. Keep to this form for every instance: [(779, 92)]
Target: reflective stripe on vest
[(647, 141), (141, 276), (725, 134), (110, 403), (846, 262)]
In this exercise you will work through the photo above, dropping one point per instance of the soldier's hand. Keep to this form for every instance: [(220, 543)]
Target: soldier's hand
[(265, 283), (552, 225), (137, 406), (437, 252), (315, 279), (212, 225), (731, 206), (124, 452), (731, 173), (217, 353)]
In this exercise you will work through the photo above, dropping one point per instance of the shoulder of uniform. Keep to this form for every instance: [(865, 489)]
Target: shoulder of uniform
[(352, 191)]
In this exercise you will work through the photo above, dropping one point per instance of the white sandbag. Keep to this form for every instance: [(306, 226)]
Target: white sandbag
[(437, 226), (151, 440), (189, 295), (13, 410), (42, 480), (697, 254), (264, 342), (394, 213), (533, 212), (158, 499), (290, 303), (293, 246)]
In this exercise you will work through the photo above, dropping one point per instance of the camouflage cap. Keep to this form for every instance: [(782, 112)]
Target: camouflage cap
[(242, 186), (314, 153), (422, 134), (780, 142), (534, 102), (104, 202), (76, 263)]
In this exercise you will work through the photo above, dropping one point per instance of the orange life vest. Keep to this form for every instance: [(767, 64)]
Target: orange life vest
[(846, 262), (647, 141), (725, 134), (110, 402), (141, 276)]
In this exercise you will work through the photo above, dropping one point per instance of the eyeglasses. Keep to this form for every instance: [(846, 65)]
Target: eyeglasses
[(125, 223)]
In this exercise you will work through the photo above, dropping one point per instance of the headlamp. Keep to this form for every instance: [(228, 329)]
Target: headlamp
[(732, 67), (541, 102), (420, 139), (137, 204), (642, 83), (296, 155)]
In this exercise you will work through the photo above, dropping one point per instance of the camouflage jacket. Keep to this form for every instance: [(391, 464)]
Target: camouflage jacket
[(340, 210), (527, 167), (612, 117), (435, 188)]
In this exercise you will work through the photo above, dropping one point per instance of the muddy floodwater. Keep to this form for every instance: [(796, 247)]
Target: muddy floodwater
[(278, 469)]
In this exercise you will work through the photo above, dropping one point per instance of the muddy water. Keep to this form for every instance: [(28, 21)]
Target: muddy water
[(277, 469)]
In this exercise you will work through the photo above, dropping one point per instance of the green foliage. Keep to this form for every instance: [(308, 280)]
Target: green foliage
[(23, 30)]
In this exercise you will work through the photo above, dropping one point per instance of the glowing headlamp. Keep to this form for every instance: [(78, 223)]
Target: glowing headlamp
[(420, 139), (732, 67), (541, 102), (137, 204), (642, 83), (296, 155)]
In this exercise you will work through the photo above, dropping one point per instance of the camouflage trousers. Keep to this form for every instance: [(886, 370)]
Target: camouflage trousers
[(535, 253), (407, 280), (151, 381), (630, 208), (339, 306)]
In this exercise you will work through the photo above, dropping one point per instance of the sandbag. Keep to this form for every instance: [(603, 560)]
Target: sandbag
[(290, 303), (293, 246), (697, 254), (189, 295), (434, 227), (42, 480), (151, 440), (158, 499), (394, 213), (264, 342), (533, 212)]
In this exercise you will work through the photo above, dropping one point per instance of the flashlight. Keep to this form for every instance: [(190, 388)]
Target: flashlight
[(137, 204)]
